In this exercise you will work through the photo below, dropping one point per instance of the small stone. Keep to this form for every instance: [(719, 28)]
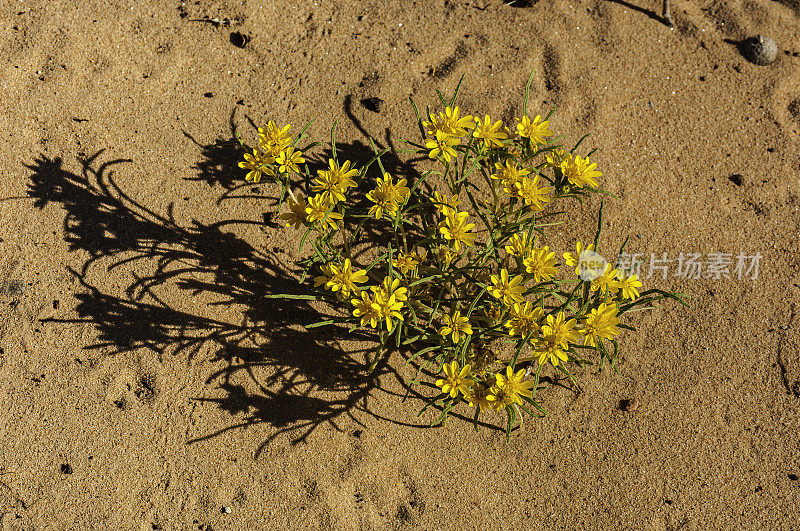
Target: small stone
[(226, 510), (631, 404), (761, 50), (66, 468)]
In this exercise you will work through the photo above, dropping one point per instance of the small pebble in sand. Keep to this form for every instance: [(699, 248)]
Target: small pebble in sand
[(631, 404), (226, 510), (761, 50)]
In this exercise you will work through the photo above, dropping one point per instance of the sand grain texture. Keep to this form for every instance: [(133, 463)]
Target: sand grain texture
[(118, 360)]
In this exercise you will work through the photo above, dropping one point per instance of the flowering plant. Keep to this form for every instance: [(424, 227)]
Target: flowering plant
[(452, 267)]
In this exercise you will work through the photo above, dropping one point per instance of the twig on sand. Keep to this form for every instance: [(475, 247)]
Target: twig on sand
[(667, 14)]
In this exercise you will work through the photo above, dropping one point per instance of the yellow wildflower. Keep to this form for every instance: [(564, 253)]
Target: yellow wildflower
[(274, 139), (449, 123), (600, 323), (387, 196), (455, 227), (607, 281), (328, 272), (509, 174), (480, 396), (509, 388), (288, 160), (491, 134), (335, 181), (629, 286), (366, 309), (508, 291), (345, 279), (455, 379), (391, 288), (258, 163), (442, 146), (387, 307), (541, 262), (405, 262), (444, 205), (296, 216), (454, 325), (556, 335), (518, 245), (580, 254), (535, 130), (524, 319), (555, 157), (580, 172), (535, 197), (317, 210)]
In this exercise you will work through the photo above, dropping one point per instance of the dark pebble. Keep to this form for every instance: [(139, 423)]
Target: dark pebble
[(761, 50)]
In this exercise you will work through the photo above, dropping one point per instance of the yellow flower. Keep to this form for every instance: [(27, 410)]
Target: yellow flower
[(556, 335), (405, 262), (387, 196), (579, 172), (345, 279), (328, 272), (455, 227), (317, 210), (491, 134), (481, 396), (445, 255), (600, 323), (607, 281), (387, 307), (274, 139), (535, 130), (574, 260), (509, 388), (629, 286), (535, 197), (508, 291), (366, 309), (524, 319), (509, 174), (518, 245), (455, 325), (541, 263), (288, 160), (455, 379), (454, 125), (444, 205), (335, 181), (390, 287), (556, 157), (442, 146), (449, 123), (297, 212), (257, 163)]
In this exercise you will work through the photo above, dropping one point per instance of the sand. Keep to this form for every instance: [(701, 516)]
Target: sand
[(147, 384)]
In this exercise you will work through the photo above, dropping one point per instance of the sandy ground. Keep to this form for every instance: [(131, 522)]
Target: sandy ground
[(146, 384)]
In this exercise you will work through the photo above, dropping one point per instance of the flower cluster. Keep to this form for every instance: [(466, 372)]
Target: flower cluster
[(452, 266)]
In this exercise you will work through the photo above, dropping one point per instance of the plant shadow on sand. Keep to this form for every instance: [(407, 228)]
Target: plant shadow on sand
[(273, 370)]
